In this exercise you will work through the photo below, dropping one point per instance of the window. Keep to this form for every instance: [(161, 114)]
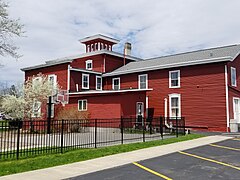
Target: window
[(98, 83), (85, 81), (89, 65), (175, 105), (82, 105), (52, 78), (174, 79), (36, 109), (143, 81), (233, 76), (36, 82), (116, 84)]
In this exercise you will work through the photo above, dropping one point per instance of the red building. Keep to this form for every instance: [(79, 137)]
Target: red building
[(202, 86)]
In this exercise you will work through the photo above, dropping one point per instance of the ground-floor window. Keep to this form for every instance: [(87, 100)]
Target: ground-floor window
[(175, 105), (36, 109), (82, 105)]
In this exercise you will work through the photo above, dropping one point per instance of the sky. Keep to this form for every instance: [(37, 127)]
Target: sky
[(154, 27)]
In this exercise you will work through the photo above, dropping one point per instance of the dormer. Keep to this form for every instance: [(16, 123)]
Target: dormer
[(98, 42)]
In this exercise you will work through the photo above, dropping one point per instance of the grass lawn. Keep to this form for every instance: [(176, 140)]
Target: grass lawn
[(39, 162)]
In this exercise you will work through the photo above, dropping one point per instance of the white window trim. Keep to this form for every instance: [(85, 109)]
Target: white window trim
[(38, 114), (101, 82), (234, 84), (87, 62), (54, 78), (170, 84), (139, 76), (83, 83), (82, 101), (170, 104), (142, 108), (234, 113), (113, 83)]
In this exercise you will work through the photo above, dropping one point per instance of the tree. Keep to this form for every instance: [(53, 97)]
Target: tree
[(36, 91), (9, 28)]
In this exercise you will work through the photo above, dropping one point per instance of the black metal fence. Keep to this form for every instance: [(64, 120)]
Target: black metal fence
[(29, 138)]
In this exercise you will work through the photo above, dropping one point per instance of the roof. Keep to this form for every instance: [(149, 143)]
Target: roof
[(69, 59), (212, 55), (99, 36)]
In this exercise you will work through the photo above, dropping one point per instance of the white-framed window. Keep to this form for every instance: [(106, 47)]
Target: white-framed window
[(89, 65), (36, 82), (36, 109), (85, 81), (82, 105), (174, 105), (233, 76), (116, 83), (52, 78), (143, 81), (98, 83), (174, 79)]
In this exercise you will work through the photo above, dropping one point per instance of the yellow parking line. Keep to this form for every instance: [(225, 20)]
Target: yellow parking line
[(151, 171), (236, 139), (224, 147), (210, 160)]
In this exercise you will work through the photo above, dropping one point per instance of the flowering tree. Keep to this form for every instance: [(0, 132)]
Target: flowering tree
[(36, 91)]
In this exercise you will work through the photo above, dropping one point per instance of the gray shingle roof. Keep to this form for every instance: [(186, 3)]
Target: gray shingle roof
[(219, 54)]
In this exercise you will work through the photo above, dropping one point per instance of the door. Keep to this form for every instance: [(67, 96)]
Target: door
[(236, 109), (139, 112)]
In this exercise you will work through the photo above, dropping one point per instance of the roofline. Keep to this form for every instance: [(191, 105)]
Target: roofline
[(99, 36), (84, 70), (109, 91), (71, 58), (189, 63), (45, 65), (181, 53)]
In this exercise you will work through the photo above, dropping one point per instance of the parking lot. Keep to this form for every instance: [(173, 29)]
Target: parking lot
[(214, 161)]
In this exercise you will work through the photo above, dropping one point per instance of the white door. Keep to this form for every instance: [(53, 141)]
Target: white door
[(236, 109), (139, 109)]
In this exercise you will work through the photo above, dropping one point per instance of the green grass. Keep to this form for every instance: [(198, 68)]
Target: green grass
[(22, 165)]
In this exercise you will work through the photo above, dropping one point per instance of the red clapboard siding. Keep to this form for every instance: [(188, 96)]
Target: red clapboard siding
[(202, 90), (233, 91), (60, 70), (111, 105)]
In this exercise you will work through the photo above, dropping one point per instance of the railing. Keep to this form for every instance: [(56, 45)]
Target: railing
[(19, 139)]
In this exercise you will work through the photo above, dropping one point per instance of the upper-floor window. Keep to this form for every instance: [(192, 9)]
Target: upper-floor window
[(82, 105), (116, 83), (52, 78), (175, 105), (85, 81), (174, 79), (89, 65), (98, 83), (233, 76), (143, 81)]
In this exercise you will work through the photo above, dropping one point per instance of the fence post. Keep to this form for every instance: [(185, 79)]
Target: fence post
[(18, 137), (95, 133), (161, 126), (121, 129), (176, 126), (62, 136), (49, 114), (143, 126)]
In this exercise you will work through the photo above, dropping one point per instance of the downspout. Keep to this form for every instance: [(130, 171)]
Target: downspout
[(227, 100), (165, 112), (68, 78)]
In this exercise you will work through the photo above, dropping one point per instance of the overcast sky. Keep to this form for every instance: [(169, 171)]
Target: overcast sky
[(154, 27)]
